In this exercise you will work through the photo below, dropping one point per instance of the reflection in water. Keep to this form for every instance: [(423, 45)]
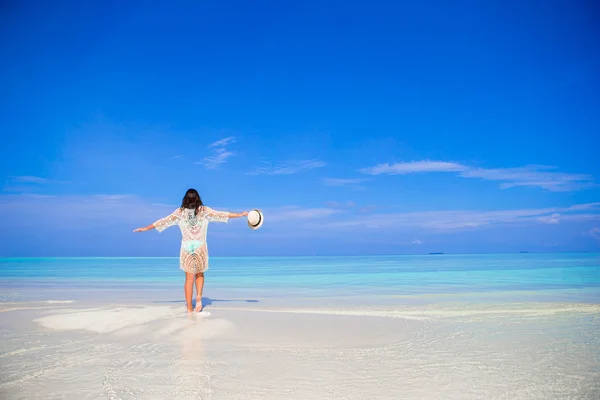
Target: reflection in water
[(207, 302), (193, 377), (191, 364)]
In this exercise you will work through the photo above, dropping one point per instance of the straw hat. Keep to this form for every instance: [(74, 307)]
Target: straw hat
[(255, 219)]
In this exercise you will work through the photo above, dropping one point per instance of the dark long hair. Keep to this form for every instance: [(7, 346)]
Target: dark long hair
[(192, 200)]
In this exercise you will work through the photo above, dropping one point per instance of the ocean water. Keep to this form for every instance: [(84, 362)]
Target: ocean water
[(555, 277)]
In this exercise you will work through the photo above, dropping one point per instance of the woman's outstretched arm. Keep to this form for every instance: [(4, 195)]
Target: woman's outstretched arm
[(237, 215), (221, 216), (145, 228), (163, 223)]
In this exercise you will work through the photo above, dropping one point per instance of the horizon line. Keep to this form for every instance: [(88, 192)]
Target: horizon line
[(303, 256)]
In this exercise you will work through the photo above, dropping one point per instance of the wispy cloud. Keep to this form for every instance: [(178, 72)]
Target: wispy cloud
[(37, 196), (595, 233), (337, 204), (413, 167), (222, 142), (295, 213), (415, 242), (368, 209), (220, 153), (71, 211), (287, 168), (545, 177), (339, 219), (220, 156), (34, 180), (532, 175), (352, 183), (465, 219), (550, 219), (110, 197)]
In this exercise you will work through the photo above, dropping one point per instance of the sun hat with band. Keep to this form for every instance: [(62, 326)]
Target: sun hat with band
[(255, 219)]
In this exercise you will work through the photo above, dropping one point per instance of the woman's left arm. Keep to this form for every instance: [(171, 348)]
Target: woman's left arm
[(221, 216), (237, 215)]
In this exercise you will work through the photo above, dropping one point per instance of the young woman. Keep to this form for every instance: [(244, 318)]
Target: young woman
[(193, 218)]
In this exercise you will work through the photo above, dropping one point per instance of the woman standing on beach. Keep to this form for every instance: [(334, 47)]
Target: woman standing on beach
[(193, 218)]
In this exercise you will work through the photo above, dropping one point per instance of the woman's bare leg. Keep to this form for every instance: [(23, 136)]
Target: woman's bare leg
[(199, 288), (189, 289)]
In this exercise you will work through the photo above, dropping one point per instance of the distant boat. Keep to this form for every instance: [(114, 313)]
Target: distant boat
[(437, 252)]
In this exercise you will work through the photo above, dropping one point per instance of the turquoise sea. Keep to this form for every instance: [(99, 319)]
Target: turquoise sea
[(552, 277)]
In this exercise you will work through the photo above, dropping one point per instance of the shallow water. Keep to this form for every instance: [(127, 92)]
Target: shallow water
[(422, 327), (515, 351)]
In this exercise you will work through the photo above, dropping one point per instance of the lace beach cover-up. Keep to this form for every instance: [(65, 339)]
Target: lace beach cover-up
[(193, 256)]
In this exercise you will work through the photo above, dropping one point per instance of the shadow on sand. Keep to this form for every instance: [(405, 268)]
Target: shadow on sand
[(206, 301)]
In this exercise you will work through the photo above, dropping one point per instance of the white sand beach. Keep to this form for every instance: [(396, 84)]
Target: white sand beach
[(87, 350)]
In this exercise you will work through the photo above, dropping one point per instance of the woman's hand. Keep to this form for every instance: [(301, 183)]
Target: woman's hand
[(238, 215), (144, 229)]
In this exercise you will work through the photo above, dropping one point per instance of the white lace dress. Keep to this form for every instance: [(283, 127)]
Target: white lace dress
[(193, 256)]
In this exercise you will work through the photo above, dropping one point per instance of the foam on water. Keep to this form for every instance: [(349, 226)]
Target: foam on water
[(463, 311)]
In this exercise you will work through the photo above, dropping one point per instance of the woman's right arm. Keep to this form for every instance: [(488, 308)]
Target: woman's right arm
[(162, 223), (144, 229)]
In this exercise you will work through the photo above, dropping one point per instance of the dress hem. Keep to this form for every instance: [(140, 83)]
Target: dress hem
[(194, 271)]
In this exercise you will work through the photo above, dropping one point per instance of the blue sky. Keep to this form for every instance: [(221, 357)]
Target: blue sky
[(357, 127)]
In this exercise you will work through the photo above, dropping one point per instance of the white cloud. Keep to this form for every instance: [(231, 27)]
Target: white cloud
[(595, 233), (287, 168), (532, 175), (30, 179), (368, 209), (110, 197), (75, 212), (344, 182), (340, 205), (550, 219), (220, 156), (34, 180), (220, 153), (37, 196), (541, 176), (413, 167), (222, 142), (464, 219), (165, 205), (415, 242), (295, 213)]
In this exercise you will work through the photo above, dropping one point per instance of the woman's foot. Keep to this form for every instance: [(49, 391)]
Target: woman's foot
[(198, 304)]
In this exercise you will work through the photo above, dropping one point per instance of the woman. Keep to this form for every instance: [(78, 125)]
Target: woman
[(193, 218)]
